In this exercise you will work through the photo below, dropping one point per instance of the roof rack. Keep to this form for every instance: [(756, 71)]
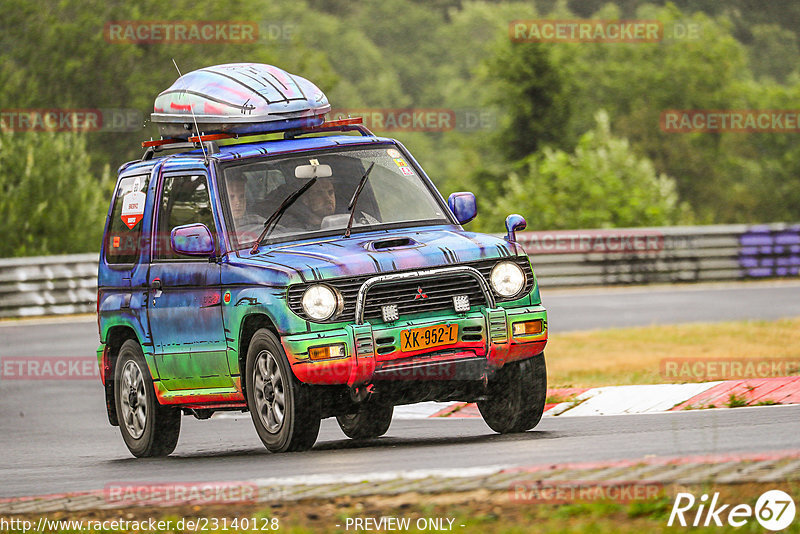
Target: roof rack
[(159, 145), (353, 124), (341, 125)]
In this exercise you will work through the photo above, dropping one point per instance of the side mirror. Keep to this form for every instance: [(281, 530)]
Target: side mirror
[(463, 206), (192, 240), (514, 222)]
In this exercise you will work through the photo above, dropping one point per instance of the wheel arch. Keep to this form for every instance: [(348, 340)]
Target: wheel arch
[(115, 337), (250, 325)]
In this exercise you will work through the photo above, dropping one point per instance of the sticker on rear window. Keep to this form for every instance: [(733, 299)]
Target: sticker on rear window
[(393, 153), (132, 208)]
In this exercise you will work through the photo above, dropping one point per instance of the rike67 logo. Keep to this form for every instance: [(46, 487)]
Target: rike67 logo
[(774, 510)]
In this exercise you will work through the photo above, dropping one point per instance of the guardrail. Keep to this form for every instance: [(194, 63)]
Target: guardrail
[(663, 255), (48, 285), (53, 285)]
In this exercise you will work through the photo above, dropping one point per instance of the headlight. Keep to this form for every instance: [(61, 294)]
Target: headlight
[(320, 302), (507, 279)]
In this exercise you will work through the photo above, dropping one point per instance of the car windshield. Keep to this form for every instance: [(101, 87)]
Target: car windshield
[(394, 194)]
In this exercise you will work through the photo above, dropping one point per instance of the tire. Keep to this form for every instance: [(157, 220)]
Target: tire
[(147, 428), (285, 411), (371, 421), (515, 396)]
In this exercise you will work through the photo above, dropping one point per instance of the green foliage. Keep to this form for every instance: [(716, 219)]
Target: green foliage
[(724, 177), (50, 202), (456, 54), (769, 50), (533, 90), (603, 183)]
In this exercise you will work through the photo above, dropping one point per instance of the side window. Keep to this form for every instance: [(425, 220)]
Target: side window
[(184, 200), (124, 237)]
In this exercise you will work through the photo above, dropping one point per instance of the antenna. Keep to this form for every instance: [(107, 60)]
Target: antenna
[(197, 128)]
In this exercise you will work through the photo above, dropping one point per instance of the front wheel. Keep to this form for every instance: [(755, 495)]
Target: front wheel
[(148, 428), (515, 396), (371, 421), (285, 411)]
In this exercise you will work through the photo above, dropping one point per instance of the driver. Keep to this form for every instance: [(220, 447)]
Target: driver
[(319, 202), (312, 206), (248, 224)]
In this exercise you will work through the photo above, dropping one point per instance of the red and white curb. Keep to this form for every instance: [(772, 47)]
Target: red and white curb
[(619, 400)]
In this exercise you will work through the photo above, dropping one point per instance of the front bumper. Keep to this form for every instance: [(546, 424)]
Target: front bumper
[(372, 352)]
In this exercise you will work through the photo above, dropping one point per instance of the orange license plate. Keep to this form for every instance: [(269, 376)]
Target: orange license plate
[(429, 336)]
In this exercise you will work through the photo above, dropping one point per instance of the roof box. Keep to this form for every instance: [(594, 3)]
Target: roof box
[(238, 98)]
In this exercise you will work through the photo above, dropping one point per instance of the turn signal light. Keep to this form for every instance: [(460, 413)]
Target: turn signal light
[(327, 352), (528, 328)]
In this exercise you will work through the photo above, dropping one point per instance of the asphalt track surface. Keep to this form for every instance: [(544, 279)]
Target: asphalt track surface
[(54, 435)]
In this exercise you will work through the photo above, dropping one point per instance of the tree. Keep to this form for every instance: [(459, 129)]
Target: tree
[(50, 201), (531, 90), (603, 183)]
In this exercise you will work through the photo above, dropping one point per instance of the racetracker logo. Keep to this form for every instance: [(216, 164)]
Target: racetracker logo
[(774, 510), (402, 120), (421, 119), (586, 31), (49, 368), (169, 494), (739, 121), (571, 491), (586, 241), (180, 31), (71, 120), (707, 369)]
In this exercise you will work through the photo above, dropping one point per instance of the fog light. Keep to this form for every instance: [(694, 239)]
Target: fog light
[(389, 313), (528, 328), (327, 352), (461, 303)]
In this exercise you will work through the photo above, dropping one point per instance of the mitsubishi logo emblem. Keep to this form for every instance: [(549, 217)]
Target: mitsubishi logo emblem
[(420, 294)]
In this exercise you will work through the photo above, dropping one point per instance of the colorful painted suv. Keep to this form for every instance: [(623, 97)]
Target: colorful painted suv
[(315, 275)]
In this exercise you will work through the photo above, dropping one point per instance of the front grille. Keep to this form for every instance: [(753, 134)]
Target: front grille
[(440, 291), (421, 295)]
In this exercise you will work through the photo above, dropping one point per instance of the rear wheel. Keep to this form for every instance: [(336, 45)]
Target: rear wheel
[(285, 411), (515, 396), (148, 428), (371, 421)]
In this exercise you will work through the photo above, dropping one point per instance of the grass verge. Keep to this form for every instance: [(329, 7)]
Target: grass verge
[(634, 355), (470, 512)]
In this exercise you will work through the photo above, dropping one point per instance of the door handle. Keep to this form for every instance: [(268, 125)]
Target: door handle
[(155, 285)]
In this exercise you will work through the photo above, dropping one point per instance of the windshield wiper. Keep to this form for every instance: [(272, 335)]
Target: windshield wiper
[(351, 206), (273, 219)]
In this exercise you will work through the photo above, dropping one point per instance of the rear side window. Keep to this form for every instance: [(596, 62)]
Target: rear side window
[(124, 237), (184, 200)]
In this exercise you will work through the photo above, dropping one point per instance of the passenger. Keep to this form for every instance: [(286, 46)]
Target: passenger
[(247, 223)]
